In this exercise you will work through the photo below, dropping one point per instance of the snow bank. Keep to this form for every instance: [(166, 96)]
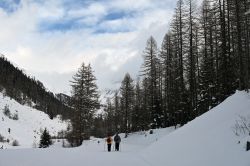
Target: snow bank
[(207, 140)]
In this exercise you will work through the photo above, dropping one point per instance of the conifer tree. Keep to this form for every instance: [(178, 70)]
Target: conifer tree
[(137, 120), (151, 72), (176, 45), (118, 120), (169, 75), (145, 99), (207, 77), (85, 101), (45, 139), (127, 99)]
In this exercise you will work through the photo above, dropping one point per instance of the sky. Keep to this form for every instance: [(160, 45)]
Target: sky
[(50, 39)]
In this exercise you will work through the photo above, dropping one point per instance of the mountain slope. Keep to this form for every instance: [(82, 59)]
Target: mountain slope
[(27, 129), (207, 140), (26, 89)]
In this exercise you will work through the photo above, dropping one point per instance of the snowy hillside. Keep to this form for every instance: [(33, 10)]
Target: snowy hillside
[(27, 127), (208, 140)]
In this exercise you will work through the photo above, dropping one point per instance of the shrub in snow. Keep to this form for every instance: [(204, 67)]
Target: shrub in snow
[(15, 116), (1, 138), (6, 111), (242, 126), (34, 145), (45, 139), (15, 143), (248, 146), (66, 144), (72, 139), (61, 134), (63, 144)]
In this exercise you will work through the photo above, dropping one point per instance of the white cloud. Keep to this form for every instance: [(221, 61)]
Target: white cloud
[(51, 10), (96, 9), (53, 56), (89, 15)]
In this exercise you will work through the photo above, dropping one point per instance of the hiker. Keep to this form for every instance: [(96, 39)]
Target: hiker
[(117, 140), (109, 142)]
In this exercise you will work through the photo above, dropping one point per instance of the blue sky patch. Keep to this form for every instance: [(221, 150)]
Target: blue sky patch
[(114, 30), (9, 5), (66, 25), (116, 15), (60, 25)]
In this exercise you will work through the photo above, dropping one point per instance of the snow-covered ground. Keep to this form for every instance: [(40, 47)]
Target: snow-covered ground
[(27, 129), (91, 153), (208, 140)]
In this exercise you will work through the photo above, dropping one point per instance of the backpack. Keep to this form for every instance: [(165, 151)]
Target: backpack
[(109, 140)]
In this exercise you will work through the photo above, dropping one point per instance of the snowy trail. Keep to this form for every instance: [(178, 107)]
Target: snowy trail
[(91, 153), (70, 156)]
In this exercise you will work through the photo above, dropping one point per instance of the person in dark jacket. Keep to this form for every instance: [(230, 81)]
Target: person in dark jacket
[(117, 140)]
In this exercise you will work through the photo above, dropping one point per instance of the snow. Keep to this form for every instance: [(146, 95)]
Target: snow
[(205, 141), (90, 153), (27, 129)]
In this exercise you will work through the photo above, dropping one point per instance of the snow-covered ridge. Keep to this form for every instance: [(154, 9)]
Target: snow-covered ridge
[(29, 125)]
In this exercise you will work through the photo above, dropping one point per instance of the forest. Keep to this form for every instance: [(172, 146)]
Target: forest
[(27, 90), (204, 58)]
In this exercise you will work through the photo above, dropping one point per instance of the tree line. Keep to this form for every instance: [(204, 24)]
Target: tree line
[(27, 90), (203, 58)]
